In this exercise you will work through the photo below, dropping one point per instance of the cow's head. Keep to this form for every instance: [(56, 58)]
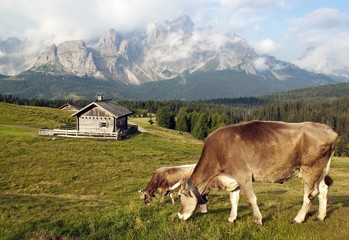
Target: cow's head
[(187, 201), (146, 196)]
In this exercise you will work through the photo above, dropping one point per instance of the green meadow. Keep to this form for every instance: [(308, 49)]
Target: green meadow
[(64, 188)]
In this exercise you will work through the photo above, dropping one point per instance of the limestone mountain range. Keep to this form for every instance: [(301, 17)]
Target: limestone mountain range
[(177, 51), (165, 51)]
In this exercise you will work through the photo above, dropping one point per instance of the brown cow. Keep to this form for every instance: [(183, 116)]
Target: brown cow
[(265, 151), (163, 179), (165, 176)]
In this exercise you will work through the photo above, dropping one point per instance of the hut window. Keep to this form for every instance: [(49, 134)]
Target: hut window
[(103, 124)]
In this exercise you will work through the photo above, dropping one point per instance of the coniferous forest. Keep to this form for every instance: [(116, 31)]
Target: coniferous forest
[(327, 104)]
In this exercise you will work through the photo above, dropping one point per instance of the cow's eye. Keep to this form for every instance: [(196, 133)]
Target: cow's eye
[(179, 196)]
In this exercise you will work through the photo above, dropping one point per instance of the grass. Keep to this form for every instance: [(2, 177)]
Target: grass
[(36, 117), (87, 189)]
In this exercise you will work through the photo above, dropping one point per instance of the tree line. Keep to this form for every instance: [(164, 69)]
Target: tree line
[(202, 117)]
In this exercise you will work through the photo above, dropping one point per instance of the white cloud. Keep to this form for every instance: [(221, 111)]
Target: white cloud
[(83, 19), (260, 64), (253, 6), (266, 46), (325, 31), (323, 18), (328, 56), (2, 54)]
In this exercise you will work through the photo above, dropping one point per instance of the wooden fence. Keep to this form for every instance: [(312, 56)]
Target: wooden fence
[(79, 134)]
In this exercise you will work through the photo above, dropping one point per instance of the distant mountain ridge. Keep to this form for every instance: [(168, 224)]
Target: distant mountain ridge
[(166, 51), (170, 60)]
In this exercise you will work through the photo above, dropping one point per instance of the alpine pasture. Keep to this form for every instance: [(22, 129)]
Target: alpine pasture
[(57, 188)]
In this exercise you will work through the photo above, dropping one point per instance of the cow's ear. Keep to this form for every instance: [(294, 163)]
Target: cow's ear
[(184, 187), (184, 184), (141, 191)]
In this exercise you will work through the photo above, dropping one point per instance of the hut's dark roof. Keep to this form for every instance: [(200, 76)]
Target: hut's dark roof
[(77, 107), (115, 109)]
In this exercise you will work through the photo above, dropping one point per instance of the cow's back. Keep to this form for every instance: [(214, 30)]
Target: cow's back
[(166, 177)]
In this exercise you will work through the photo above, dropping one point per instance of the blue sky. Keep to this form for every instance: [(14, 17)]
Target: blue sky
[(286, 29)]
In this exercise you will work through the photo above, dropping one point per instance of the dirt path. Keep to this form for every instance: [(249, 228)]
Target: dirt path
[(141, 129)]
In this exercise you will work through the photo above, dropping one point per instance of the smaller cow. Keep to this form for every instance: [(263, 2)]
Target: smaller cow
[(219, 183), (164, 179)]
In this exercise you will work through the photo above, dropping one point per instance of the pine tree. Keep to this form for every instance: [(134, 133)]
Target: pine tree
[(182, 121), (165, 118), (201, 128), (193, 119)]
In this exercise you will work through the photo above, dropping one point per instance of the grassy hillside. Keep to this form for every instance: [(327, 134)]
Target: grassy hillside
[(87, 189), (37, 117)]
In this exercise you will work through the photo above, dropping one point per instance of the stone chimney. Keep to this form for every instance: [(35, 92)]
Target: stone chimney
[(100, 97)]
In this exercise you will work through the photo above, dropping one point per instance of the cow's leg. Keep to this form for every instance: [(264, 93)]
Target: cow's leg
[(307, 200), (324, 183), (311, 189), (172, 199), (252, 200), (314, 181), (323, 189), (234, 200)]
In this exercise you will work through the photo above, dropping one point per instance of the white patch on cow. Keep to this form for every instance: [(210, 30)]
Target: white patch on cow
[(181, 166), (184, 216), (175, 186), (234, 200), (323, 189), (228, 182), (234, 196), (188, 165)]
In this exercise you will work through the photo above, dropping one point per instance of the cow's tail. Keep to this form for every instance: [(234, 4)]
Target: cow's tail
[(328, 180)]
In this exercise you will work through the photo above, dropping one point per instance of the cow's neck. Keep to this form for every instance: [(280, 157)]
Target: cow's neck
[(201, 177), (151, 189)]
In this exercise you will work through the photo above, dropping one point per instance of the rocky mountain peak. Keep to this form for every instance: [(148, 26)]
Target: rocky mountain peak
[(183, 23), (109, 43), (48, 56), (68, 57)]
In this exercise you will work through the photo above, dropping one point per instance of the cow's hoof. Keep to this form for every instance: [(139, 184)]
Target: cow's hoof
[(319, 219), (258, 222), (231, 220), (294, 221)]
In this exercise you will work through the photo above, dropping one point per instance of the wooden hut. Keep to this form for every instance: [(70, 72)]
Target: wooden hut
[(70, 107), (102, 117)]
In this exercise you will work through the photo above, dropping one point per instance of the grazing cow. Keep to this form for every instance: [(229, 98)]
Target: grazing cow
[(163, 179), (264, 151)]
